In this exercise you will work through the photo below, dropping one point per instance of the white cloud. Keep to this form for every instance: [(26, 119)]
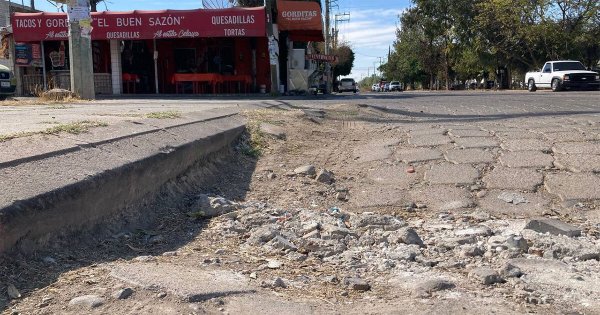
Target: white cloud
[(370, 33)]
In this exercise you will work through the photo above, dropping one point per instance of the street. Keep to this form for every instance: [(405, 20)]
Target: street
[(416, 202)]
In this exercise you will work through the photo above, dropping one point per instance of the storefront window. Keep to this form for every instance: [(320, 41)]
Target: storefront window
[(185, 60)]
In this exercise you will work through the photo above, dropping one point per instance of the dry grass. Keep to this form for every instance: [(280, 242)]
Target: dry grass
[(41, 102), (74, 128), (164, 115)]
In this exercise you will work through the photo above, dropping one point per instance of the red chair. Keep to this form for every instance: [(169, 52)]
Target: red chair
[(129, 82)]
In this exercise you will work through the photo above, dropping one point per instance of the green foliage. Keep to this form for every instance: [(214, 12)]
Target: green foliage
[(345, 60), (446, 41)]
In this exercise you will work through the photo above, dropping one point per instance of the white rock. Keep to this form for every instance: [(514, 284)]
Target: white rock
[(90, 301), (274, 264)]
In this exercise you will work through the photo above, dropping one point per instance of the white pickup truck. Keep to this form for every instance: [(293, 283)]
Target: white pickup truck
[(562, 75)]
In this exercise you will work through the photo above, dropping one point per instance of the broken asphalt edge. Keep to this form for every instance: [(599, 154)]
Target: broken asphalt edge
[(29, 223)]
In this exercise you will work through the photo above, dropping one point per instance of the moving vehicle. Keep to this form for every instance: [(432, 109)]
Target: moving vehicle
[(347, 85), (562, 75), (395, 86), (8, 83)]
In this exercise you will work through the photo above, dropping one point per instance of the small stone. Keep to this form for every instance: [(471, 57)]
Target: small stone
[(425, 289), (123, 294), (358, 284), (471, 251), (161, 295), (262, 234), (12, 291), (271, 176), (278, 283), (510, 271), (485, 276), (517, 242), (169, 254), (308, 170), (219, 251), (409, 236), (410, 170), (91, 301), (253, 276), (144, 258), (313, 234), (312, 226), (481, 194), (274, 264), (279, 242), (344, 293), (474, 231), (342, 196), (404, 253), (324, 176), (421, 206), (553, 226)]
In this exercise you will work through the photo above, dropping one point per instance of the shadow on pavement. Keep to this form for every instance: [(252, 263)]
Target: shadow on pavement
[(163, 223)]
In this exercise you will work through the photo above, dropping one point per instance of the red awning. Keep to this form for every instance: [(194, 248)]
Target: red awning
[(234, 22), (302, 19)]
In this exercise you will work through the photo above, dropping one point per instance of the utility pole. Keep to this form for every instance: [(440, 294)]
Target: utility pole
[(375, 68), (344, 17), (328, 45), (380, 64), (273, 47), (80, 48)]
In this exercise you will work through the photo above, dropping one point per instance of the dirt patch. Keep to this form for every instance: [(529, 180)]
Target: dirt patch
[(359, 235)]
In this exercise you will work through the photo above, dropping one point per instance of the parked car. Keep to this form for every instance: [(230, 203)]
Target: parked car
[(562, 75), (347, 85), (8, 83), (386, 87), (395, 86), (375, 87)]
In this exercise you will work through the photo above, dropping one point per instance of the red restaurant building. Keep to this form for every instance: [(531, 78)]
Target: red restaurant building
[(170, 51)]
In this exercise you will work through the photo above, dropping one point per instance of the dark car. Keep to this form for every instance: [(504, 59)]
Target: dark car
[(8, 83)]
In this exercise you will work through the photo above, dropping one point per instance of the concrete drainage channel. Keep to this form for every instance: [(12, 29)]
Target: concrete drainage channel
[(78, 191)]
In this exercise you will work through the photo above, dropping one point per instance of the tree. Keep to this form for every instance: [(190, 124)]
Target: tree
[(345, 60), (94, 4)]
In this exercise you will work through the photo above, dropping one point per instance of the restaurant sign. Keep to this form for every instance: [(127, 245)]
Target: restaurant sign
[(234, 22), (299, 15), (321, 57)]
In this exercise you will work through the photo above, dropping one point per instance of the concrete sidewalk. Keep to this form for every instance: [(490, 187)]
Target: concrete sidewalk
[(66, 182)]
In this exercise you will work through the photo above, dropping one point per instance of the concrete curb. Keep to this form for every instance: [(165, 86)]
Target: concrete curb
[(123, 178), (80, 146)]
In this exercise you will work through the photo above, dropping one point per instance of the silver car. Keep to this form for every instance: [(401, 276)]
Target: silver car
[(395, 86), (347, 85)]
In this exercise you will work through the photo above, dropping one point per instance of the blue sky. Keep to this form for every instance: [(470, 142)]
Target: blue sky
[(370, 31)]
